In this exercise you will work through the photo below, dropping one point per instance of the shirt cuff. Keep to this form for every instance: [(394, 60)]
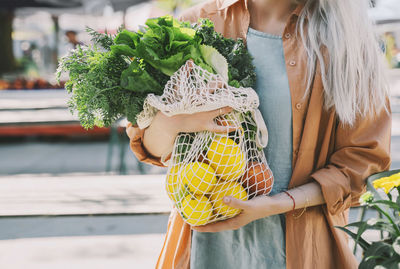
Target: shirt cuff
[(335, 188), (136, 144)]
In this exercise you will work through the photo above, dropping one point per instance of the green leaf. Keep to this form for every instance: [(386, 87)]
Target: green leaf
[(149, 54), (380, 225), (384, 226), (375, 258), (363, 244), (378, 249), (183, 34), (123, 49), (178, 45), (234, 83), (137, 79), (381, 267), (363, 227), (388, 203), (184, 142), (103, 39), (126, 37), (391, 263), (164, 20), (170, 65), (213, 58), (388, 216), (376, 254)]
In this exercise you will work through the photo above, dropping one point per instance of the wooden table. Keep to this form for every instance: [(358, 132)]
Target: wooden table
[(39, 112), (83, 195)]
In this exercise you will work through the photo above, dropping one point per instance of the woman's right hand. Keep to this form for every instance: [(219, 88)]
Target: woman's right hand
[(160, 136)]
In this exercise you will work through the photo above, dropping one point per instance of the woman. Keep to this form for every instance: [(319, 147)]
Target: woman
[(324, 98)]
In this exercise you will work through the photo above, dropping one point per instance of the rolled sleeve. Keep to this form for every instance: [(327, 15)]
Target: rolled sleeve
[(360, 151), (135, 135)]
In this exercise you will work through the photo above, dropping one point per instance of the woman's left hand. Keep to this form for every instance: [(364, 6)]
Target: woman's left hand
[(256, 208)]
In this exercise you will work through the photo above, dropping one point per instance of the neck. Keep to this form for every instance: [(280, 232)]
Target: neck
[(270, 16), (278, 10)]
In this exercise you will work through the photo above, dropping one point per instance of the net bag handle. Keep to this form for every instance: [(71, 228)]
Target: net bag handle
[(262, 131)]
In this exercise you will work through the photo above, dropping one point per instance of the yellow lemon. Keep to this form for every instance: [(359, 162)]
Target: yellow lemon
[(173, 186), (226, 158), (199, 177), (196, 209), (231, 188)]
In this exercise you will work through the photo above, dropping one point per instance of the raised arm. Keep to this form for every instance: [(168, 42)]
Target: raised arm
[(158, 139)]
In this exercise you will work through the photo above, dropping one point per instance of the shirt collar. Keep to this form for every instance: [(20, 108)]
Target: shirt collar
[(223, 4)]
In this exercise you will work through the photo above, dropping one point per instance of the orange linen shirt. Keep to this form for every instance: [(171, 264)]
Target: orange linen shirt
[(338, 157)]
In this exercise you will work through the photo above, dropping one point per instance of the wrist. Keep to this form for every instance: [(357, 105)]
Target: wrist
[(282, 203), (165, 124), (159, 137)]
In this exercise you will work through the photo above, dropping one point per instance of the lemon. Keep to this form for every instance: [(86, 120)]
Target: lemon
[(196, 209), (173, 186), (223, 189), (199, 177), (226, 158)]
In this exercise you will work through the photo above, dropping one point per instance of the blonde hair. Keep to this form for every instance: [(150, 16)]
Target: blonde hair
[(353, 71)]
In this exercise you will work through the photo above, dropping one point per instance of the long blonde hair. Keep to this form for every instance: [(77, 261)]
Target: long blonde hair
[(353, 73)]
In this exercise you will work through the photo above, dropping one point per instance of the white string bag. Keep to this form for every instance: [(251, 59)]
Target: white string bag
[(204, 167)]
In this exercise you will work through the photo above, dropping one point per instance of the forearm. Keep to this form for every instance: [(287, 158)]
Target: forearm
[(263, 206), (159, 137), (306, 195)]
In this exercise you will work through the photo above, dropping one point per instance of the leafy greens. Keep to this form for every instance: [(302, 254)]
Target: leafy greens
[(112, 78)]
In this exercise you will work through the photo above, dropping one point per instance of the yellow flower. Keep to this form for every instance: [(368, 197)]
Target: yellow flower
[(395, 176), (377, 183), (387, 183)]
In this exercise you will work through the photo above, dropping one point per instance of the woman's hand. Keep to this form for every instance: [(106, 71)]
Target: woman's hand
[(256, 208), (197, 122), (159, 137), (306, 195)]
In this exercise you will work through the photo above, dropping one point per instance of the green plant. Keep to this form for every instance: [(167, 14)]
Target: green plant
[(386, 252)]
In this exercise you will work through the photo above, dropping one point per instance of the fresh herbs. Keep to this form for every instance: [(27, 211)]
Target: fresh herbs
[(104, 40), (112, 78), (95, 85)]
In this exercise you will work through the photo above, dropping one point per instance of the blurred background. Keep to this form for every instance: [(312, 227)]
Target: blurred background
[(76, 198)]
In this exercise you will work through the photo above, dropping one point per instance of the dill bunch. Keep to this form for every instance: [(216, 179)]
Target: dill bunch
[(94, 85), (104, 40)]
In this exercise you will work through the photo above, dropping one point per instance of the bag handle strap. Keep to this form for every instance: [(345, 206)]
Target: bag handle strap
[(262, 131)]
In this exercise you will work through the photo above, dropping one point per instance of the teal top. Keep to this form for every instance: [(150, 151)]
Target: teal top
[(260, 244)]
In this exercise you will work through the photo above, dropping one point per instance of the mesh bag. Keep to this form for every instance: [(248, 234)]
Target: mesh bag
[(204, 167)]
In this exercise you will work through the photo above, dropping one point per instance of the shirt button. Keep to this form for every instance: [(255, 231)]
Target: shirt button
[(296, 151), (292, 63), (298, 106), (288, 35)]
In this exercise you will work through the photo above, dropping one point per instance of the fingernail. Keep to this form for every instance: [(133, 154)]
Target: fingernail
[(227, 200)]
